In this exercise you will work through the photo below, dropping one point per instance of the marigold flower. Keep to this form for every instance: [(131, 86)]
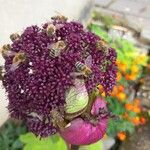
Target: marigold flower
[(121, 88), (136, 109), (142, 120), (121, 136), (134, 69), (114, 91), (123, 67), (121, 96), (132, 76), (136, 120), (119, 76), (137, 102), (128, 106)]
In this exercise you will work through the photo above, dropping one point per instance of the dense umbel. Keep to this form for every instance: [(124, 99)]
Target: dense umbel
[(44, 64)]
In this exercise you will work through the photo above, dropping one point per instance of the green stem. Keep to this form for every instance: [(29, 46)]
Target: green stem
[(92, 99), (75, 147)]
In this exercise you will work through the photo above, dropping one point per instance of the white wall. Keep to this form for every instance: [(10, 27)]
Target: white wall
[(15, 15)]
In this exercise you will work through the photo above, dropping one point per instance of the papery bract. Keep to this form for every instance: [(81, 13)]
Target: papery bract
[(82, 132)]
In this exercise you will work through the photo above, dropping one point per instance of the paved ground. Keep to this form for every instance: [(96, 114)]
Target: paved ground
[(139, 140), (137, 11)]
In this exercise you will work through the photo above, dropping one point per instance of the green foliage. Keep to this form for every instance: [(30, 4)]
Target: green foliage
[(115, 126), (32, 142), (126, 51), (96, 146), (132, 114), (9, 136), (123, 81), (54, 142), (120, 124), (99, 31), (115, 107)]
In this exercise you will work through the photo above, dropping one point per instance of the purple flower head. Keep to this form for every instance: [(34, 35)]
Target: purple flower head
[(41, 65)]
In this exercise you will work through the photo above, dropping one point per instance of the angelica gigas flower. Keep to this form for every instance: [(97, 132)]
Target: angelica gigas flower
[(56, 68)]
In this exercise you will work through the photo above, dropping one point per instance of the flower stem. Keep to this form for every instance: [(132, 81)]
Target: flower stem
[(92, 98), (75, 147)]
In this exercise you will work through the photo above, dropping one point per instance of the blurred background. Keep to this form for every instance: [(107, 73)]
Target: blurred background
[(123, 24)]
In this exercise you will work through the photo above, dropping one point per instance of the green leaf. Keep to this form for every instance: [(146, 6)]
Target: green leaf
[(96, 146), (112, 128), (51, 143), (115, 107), (17, 145), (55, 138), (132, 114), (29, 138), (115, 126), (36, 147), (98, 31), (9, 135), (127, 126)]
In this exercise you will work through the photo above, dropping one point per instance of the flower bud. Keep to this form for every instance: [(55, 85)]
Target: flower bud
[(82, 132)]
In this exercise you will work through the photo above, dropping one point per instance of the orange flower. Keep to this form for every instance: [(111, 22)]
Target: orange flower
[(122, 67), (127, 76), (119, 76), (142, 120), (128, 106), (137, 102), (136, 109), (134, 69), (121, 96), (121, 88), (103, 94), (136, 120), (131, 77), (101, 89), (121, 136), (115, 91)]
